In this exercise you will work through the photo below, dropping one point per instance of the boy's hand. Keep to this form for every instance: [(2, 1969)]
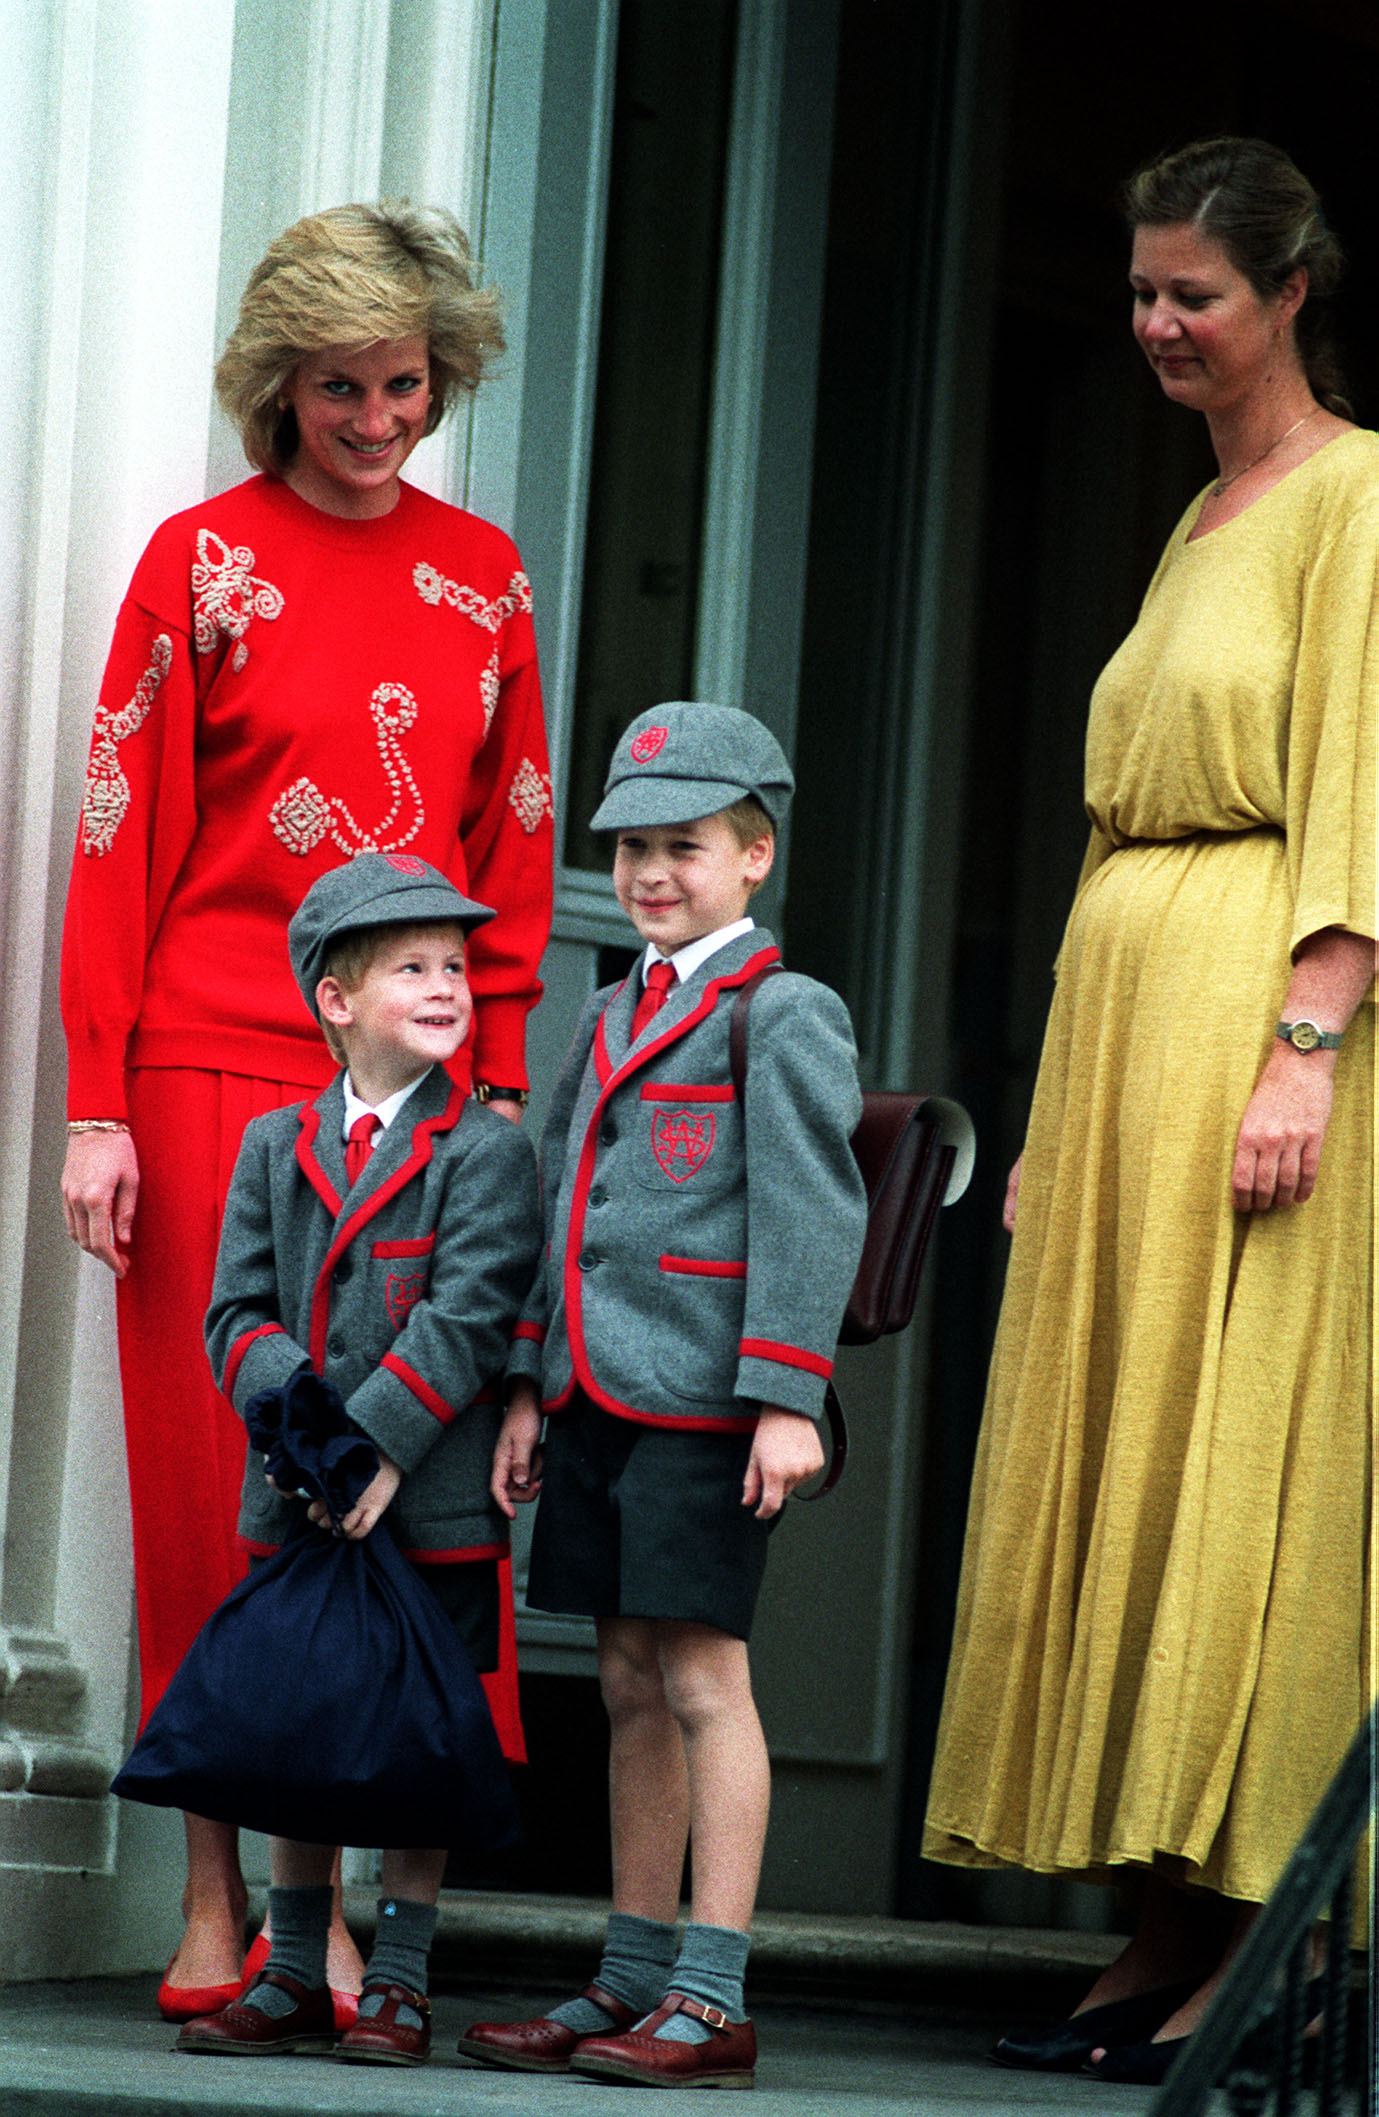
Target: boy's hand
[(785, 1451), (368, 1509), (516, 1475)]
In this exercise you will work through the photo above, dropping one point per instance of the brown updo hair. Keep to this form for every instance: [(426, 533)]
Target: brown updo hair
[(1253, 200), (348, 278)]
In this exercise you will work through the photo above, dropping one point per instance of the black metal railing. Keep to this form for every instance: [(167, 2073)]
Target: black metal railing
[(1251, 2042)]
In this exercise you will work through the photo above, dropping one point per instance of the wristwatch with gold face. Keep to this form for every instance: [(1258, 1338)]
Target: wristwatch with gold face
[(1306, 1036)]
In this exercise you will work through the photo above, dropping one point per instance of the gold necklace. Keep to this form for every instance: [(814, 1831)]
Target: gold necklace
[(1222, 483)]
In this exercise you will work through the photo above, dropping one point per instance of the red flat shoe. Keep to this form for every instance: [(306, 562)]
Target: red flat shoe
[(346, 2009), (189, 2002), (255, 1959)]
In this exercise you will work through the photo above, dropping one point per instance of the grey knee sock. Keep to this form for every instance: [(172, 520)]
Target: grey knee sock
[(710, 1968), (636, 1960), (402, 1942), (300, 1922)]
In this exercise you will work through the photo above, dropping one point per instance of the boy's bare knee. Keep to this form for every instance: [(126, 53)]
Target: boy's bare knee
[(705, 1674), (629, 1669)]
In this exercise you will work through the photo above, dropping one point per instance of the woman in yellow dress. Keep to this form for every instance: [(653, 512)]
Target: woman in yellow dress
[(1161, 1649)]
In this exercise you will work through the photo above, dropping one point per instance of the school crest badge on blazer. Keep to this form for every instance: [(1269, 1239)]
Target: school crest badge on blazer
[(682, 1141), (402, 1293)]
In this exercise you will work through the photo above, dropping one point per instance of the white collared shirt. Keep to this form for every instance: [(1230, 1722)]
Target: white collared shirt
[(687, 960), (385, 1111)]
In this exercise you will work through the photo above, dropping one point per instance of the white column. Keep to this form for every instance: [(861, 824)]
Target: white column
[(115, 119)]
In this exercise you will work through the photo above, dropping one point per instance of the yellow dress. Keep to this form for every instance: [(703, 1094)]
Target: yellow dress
[(1162, 1645)]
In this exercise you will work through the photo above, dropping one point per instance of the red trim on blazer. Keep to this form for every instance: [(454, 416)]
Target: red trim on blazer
[(529, 1330), (309, 1121), (421, 1246), (468, 1554), (600, 1397), (611, 1079), (255, 1549), (786, 1355), (681, 1092), (423, 1137), (421, 1389), (235, 1357), (704, 1267)]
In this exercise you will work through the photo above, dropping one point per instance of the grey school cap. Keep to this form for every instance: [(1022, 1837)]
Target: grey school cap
[(685, 760), (373, 889)]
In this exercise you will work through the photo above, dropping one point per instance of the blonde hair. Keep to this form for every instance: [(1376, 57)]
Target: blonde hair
[(351, 277), (748, 821)]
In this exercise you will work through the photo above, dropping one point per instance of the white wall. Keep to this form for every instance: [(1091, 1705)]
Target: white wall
[(149, 149)]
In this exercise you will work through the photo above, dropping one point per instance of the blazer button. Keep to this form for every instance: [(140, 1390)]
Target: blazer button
[(336, 1348), (344, 1270), (598, 1196), (607, 1135), (588, 1259)]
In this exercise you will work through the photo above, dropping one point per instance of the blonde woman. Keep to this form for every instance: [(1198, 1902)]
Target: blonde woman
[(320, 662)]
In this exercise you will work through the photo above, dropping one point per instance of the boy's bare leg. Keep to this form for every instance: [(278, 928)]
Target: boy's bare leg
[(213, 1904), (648, 1787), (708, 1691), (416, 1875), (295, 1865)]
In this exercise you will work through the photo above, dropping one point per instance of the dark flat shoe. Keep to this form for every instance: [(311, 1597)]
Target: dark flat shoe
[(1141, 2065), (1067, 2047)]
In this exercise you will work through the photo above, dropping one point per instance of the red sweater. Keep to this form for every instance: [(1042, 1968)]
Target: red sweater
[(286, 689)]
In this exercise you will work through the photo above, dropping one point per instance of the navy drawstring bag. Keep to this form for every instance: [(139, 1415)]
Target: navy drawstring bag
[(328, 1698)]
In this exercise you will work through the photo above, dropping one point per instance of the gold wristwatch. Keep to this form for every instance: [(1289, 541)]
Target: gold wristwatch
[(1306, 1036)]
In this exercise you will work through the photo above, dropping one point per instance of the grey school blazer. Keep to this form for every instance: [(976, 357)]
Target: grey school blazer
[(698, 1266), (401, 1291)]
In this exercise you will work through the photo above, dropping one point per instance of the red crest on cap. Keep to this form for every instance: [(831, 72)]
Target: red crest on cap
[(407, 864), (646, 745)]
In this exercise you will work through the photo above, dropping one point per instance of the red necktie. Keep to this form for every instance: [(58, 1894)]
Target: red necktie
[(655, 993), (359, 1145)]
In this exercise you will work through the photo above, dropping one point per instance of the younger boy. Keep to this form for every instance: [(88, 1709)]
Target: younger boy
[(386, 1232), (700, 1258)]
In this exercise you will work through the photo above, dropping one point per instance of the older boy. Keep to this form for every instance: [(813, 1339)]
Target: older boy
[(386, 1232), (700, 1258)]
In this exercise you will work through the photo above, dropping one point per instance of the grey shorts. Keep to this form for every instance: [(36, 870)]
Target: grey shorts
[(645, 1521)]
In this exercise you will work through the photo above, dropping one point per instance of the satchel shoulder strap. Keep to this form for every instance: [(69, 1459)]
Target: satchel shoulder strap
[(737, 1029), (737, 1067)]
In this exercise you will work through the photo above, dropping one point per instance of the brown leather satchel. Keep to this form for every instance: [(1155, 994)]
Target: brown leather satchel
[(915, 1154)]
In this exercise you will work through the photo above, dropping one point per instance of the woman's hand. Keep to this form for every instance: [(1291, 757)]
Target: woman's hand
[(1279, 1146), (100, 1184), (1012, 1196), (786, 1449)]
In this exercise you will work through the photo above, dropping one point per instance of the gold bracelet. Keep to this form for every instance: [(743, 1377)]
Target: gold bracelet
[(96, 1124)]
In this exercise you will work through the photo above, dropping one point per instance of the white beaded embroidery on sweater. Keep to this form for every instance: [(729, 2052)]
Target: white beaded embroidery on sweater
[(302, 816), (227, 594), (530, 795), (435, 588), (107, 790)]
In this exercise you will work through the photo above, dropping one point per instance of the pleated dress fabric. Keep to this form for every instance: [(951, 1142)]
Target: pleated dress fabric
[(1163, 1640)]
